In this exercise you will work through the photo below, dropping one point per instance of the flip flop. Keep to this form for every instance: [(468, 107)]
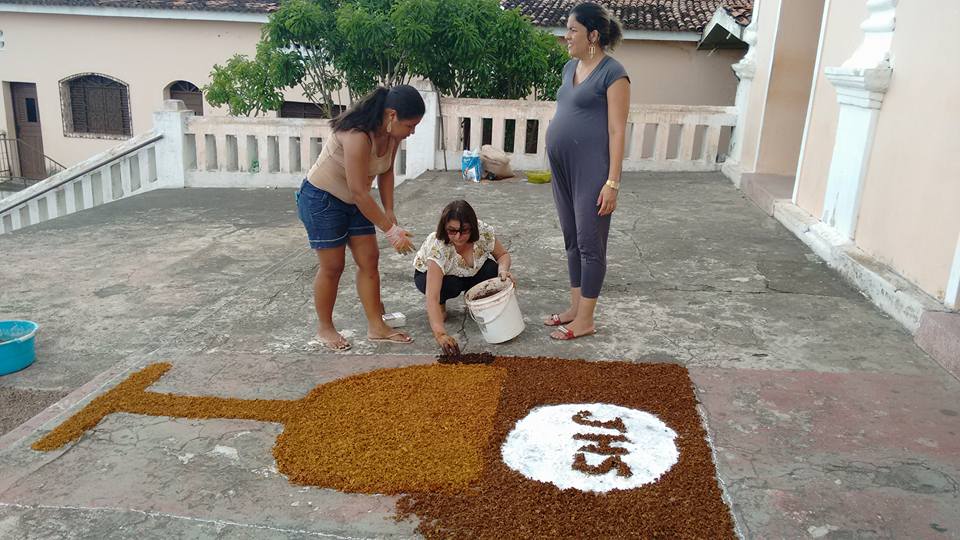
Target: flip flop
[(555, 320), (568, 334), (390, 338)]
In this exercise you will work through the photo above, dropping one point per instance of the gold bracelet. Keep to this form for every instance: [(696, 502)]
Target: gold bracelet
[(612, 184)]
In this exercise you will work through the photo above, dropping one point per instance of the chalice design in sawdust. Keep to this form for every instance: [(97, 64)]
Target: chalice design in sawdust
[(544, 433)]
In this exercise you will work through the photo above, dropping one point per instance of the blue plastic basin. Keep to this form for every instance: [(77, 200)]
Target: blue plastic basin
[(17, 345)]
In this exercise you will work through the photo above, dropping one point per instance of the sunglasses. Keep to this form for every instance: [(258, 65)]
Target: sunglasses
[(465, 229)]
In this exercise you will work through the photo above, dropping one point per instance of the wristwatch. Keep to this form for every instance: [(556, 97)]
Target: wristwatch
[(613, 184)]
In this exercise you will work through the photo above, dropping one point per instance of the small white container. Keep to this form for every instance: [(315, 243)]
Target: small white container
[(395, 319)]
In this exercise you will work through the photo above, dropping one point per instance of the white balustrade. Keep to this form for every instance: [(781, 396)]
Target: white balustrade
[(185, 150), (659, 137), (252, 152), (76, 188)]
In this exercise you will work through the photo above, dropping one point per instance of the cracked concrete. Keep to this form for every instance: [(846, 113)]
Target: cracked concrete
[(825, 418)]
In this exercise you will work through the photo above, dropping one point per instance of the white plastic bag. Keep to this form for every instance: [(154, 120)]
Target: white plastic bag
[(470, 166)]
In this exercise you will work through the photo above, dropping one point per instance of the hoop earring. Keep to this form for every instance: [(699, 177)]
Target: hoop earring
[(592, 51)]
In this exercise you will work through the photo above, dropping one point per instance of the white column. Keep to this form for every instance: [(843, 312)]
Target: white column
[(952, 297), (243, 148), (171, 121), (499, 128), (52, 210), (305, 161), (421, 151), (33, 207), (861, 83), (71, 198), (746, 70), (15, 219), (143, 159), (86, 184), (106, 185), (520, 135), (283, 152), (125, 183)]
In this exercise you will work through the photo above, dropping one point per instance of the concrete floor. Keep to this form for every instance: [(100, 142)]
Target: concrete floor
[(826, 420)]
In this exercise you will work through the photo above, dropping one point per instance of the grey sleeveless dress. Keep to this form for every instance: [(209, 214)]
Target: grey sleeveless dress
[(578, 147)]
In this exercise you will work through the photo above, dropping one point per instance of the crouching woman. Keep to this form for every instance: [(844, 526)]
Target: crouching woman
[(461, 253)]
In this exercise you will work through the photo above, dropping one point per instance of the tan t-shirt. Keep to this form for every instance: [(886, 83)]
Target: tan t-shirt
[(330, 174)]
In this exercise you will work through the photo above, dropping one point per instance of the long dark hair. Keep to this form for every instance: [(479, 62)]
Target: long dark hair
[(461, 211), (367, 114), (596, 17)]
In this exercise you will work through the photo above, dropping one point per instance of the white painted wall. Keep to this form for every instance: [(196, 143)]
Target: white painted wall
[(791, 71), (908, 214), (676, 73), (841, 38), (147, 54), (910, 208)]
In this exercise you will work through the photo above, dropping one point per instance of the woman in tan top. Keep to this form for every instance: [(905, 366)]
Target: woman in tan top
[(336, 208)]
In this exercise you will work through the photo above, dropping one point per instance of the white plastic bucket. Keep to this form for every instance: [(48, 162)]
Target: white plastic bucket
[(497, 315)]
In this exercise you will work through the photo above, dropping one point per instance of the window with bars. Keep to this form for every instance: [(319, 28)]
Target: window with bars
[(189, 94), (98, 106)]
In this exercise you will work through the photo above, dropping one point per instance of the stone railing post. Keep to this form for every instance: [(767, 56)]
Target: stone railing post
[(861, 83), (171, 122)]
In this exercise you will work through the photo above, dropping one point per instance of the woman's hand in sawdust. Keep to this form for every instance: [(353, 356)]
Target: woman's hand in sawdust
[(448, 344)]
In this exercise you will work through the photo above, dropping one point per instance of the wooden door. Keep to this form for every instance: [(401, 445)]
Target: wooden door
[(26, 117)]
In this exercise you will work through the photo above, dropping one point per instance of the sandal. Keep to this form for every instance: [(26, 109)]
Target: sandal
[(396, 337), (555, 320), (568, 334)]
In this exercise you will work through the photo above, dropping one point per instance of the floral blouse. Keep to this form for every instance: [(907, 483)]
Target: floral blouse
[(447, 258)]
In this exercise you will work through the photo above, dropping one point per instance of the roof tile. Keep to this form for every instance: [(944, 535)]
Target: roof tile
[(236, 6), (668, 15)]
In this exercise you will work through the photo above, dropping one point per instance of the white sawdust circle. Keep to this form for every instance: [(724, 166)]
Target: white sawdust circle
[(542, 446)]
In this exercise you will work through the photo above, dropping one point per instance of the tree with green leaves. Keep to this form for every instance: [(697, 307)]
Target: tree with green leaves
[(248, 86), (473, 48), (466, 48), (308, 31)]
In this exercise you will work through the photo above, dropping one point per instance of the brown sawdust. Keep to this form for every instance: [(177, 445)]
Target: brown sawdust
[(387, 431), (131, 396), (466, 358), (685, 502), (393, 431), (435, 432)]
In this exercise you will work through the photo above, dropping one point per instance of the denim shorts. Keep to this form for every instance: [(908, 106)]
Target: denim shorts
[(328, 220)]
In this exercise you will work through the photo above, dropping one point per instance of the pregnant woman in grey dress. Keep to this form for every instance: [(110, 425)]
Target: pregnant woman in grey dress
[(585, 144)]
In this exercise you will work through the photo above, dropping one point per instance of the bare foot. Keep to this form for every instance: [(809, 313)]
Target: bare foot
[(561, 318), (383, 332), (331, 339)]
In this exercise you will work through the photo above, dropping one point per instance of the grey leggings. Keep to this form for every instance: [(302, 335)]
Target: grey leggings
[(584, 232)]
